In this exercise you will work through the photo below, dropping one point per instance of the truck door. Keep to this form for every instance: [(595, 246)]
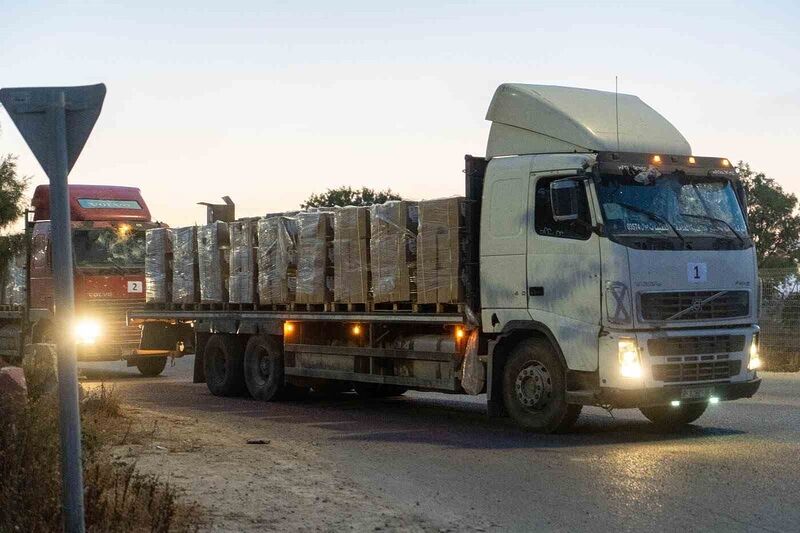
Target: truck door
[(563, 271)]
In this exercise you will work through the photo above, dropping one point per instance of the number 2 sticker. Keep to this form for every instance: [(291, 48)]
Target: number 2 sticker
[(135, 286), (697, 272)]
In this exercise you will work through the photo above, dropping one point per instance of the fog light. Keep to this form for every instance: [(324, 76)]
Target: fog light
[(675, 403), (755, 358), (713, 399), (87, 331), (629, 364)]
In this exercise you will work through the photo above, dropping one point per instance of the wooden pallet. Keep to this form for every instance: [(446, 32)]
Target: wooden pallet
[(391, 306), (338, 307), (439, 308)]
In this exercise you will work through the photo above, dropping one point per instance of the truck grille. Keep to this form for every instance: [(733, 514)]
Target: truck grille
[(663, 305), (112, 315), (686, 372), (695, 345)]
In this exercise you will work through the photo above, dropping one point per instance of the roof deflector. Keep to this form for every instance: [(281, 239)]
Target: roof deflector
[(531, 119)]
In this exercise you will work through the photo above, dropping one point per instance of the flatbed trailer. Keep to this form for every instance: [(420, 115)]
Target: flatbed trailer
[(343, 346)]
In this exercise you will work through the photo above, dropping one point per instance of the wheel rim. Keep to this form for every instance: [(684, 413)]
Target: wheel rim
[(220, 365), (263, 365), (534, 386)]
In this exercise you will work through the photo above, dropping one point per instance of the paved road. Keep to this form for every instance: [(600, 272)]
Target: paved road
[(737, 469)]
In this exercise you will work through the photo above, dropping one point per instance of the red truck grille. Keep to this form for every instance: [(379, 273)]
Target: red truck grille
[(112, 316)]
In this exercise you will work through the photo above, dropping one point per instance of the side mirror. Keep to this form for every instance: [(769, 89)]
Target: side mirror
[(564, 199)]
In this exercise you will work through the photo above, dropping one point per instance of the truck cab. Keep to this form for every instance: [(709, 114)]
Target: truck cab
[(614, 264), (108, 242)]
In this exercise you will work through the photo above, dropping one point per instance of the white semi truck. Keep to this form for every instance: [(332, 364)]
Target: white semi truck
[(606, 266)]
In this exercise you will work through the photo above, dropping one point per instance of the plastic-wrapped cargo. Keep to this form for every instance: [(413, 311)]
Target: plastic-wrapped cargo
[(351, 255), (243, 277), (213, 245), (440, 250), (314, 257), (277, 260), (185, 269), (157, 266), (14, 286), (392, 250)]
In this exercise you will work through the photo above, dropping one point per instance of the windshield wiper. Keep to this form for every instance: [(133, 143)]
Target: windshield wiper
[(715, 219), (116, 265), (657, 218)]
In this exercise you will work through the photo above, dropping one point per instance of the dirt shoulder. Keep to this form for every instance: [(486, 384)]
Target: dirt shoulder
[(274, 485)]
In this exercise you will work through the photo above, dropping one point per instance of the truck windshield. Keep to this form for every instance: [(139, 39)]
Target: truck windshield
[(682, 209), (115, 248)]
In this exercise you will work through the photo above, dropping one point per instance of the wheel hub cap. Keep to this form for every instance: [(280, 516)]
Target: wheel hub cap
[(533, 386)]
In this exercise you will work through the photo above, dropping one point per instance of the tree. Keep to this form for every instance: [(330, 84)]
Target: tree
[(774, 219), (12, 206), (342, 196)]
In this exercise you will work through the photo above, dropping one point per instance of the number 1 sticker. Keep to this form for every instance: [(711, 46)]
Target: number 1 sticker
[(135, 286), (697, 272)]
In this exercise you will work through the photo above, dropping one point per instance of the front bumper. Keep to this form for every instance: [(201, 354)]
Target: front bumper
[(105, 351), (621, 398)]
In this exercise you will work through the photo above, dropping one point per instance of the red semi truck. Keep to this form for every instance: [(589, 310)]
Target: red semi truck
[(108, 241)]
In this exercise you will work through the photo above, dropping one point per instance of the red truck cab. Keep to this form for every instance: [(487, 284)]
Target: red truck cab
[(108, 242)]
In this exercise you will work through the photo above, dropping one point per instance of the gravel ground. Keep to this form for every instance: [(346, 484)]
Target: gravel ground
[(433, 462)]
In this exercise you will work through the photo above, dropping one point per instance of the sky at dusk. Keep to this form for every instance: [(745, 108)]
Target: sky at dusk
[(269, 102)]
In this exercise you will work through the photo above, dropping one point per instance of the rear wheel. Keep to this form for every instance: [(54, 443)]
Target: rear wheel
[(223, 361), (151, 366), (667, 416), (263, 368), (534, 389)]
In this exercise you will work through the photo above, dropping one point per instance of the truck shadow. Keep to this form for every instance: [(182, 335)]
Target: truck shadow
[(424, 421)]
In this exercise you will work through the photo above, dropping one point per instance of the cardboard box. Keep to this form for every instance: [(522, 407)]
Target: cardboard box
[(277, 260), (243, 274), (157, 266), (392, 251), (185, 270), (213, 247), (440, 250), (351, 255), (314, 257)]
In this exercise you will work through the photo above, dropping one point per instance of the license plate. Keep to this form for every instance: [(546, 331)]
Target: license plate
[(696, 393)]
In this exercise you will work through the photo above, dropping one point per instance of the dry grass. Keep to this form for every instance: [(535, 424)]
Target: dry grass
[(117, 498)]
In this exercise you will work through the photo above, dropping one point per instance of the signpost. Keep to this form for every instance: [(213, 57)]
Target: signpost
[(55, 122)]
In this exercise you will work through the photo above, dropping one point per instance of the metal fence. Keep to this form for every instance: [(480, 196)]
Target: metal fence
[(780, 319)]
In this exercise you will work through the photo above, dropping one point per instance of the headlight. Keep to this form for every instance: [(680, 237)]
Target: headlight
[(87, 331), (755, 358), (629, 364)]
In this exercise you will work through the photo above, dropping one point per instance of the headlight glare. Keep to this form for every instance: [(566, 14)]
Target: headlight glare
[(755, 357), (87, 331), (629, 364)]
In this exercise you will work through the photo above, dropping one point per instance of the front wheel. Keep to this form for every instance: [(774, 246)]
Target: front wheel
[(151, 366), (667, 416), (534, 389)]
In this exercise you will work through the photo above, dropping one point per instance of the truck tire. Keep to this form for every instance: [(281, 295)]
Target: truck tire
[(151, 366), (378, 390), (223, 362), (534, 389), (263, 368), (669, 417)]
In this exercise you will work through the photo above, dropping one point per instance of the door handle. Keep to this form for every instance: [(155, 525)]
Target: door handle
[(536, 291)]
